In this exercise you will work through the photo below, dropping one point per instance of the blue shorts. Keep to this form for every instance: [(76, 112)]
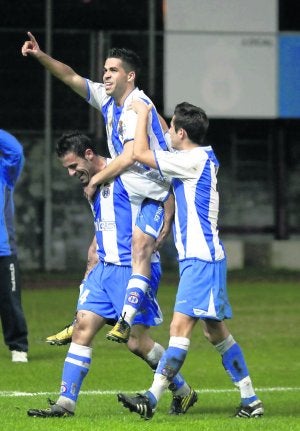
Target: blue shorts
[(104, 289), (202, 290), (150, 217)]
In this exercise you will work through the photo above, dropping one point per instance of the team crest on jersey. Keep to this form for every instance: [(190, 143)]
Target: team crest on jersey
[(121, 128), (106, 190)]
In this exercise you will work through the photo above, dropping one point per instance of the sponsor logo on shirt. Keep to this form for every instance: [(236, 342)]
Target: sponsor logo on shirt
[(158, 213), (104, 225)]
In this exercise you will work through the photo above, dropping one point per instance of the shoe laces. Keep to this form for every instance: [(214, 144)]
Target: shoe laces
[(123, 325)]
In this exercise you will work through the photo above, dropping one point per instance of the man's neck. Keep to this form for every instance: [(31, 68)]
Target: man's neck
[(188, 145), (121, 100), (101, 163)]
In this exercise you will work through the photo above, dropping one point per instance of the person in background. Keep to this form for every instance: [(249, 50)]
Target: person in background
[(202, 292), (13, 321)]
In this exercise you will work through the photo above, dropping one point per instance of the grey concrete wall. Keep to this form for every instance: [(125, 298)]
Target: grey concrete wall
[(262, 252)]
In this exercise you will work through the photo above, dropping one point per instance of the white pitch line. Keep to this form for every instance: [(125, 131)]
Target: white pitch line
[(206, 391)]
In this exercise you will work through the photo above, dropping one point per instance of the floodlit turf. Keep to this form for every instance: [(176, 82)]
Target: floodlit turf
[(266, 323)]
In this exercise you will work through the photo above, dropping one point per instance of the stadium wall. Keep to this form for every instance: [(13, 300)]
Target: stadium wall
[(72, 226)]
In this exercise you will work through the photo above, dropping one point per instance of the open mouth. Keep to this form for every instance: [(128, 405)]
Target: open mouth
[(108, 85)]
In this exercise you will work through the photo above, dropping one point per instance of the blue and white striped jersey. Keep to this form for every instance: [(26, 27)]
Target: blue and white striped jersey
[(194, 183), (11, 164), (121, 124), (115, 207)]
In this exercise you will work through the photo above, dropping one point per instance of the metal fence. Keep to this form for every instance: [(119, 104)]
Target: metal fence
[(260, 161)]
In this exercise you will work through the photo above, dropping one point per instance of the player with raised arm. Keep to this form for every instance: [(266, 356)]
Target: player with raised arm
[(112, 98)]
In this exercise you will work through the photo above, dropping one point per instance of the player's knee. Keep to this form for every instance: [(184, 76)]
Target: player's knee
[(214, 335), (82, 335)]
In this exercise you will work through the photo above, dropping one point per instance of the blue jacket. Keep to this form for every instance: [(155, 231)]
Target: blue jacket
[(11, 164)]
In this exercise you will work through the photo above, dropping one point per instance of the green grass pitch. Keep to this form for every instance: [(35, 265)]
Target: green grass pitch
[(266, 324)]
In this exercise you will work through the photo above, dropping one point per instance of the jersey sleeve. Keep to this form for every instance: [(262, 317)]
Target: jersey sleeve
[(180, 164), (96, 94)]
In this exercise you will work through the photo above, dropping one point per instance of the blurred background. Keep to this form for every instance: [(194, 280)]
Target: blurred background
[(237, 59)]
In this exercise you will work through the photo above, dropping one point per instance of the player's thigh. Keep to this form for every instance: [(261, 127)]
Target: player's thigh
[(142, 243), (149, 222)]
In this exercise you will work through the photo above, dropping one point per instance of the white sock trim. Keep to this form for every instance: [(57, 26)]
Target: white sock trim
[(225, 344), (138, 283), (180, 342), (246, 387), (153, 357), (78, 349)]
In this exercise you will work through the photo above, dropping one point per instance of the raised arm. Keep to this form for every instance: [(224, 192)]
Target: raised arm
[(60, 70), (141, 151)]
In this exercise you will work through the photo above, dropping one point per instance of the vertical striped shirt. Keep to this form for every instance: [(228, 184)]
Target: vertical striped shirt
[(120, 123), (115, 207), (194, 183)]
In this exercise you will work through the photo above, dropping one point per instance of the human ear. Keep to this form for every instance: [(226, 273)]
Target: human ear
[(131, 76)]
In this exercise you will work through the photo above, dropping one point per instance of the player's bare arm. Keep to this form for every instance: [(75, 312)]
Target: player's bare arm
[(163, 123), (116, 167), (61, 71), (141, 151), (169, 210), (92, 258)]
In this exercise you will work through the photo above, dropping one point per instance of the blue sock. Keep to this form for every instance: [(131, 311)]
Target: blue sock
[(135, 293), (177, 382), (234, 363), (247, 401), (171, 362), (134, 297), (153, 357), (76, 367), (168, 367), (151, 398)]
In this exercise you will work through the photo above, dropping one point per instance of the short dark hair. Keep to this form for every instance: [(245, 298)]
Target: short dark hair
[(192, 119), (75, 142), (131, 60)]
